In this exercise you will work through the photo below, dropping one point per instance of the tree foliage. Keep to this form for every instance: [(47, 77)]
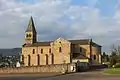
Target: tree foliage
[(115, 55), (116, 49), (105, 57), (113, 59)]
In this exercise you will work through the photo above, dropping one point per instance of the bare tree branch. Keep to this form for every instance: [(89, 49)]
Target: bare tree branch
[(116, 49)]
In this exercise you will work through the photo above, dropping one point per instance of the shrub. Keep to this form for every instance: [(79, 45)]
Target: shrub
[(117, 65)]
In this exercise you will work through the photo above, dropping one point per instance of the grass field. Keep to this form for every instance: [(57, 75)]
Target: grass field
[(113, 71)]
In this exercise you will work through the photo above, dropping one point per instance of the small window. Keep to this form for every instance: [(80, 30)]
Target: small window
[(46, 59), (29, 60), (60, 50), (52, 60), (22, 58), (94, 57), (41, 50), (80, 49), (33, 51), (38, 59), (27, 35), (50, 50)]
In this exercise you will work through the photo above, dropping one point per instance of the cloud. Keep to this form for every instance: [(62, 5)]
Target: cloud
[(56, 18)]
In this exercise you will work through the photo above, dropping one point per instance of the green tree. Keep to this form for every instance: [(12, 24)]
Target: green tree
[(116, 52), (105, 57), (113, 59)]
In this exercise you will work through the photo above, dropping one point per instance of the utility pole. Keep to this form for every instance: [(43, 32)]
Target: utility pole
[(90, 47)]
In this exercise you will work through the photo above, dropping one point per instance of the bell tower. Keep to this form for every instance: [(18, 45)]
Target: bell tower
[(31, 34)]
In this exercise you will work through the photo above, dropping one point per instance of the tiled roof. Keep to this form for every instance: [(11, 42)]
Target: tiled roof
[(43, 43), (38, 44), (84, 41)]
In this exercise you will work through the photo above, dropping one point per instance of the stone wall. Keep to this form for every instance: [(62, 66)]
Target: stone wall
[(39, 69)]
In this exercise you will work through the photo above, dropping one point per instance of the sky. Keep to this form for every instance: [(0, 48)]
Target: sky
[(70, 19)]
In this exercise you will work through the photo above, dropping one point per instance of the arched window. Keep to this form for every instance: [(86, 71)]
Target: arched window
[(94, 57), (50, 50), (60, 49), (27, 35), (29, 58), (38, 59), (22, 58), (52, 58), (41, 50), (33, 51), (80, 49), (46, 59)]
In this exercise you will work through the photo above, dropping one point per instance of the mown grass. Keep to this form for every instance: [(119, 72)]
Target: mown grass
[(113, 71)]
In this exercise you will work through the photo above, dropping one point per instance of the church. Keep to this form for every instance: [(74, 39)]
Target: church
[(59, 51)]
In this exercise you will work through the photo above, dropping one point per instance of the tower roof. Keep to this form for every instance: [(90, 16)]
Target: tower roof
[(31, 26)]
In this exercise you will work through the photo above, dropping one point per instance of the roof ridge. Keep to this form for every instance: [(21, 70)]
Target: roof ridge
[(43, 41)]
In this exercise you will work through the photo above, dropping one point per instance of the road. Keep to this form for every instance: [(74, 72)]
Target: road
[(95, 75)]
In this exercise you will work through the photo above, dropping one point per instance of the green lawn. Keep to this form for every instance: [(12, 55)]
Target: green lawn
[(113, 71)]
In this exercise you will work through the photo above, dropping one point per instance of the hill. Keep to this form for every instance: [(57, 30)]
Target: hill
[(9, 52)]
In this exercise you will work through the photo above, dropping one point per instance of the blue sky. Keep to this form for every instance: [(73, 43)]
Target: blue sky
[(76, 19), (107, 7)]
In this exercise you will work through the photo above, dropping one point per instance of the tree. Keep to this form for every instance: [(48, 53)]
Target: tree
[(116, 49), (113, 59), (105, 57), (1, 57)]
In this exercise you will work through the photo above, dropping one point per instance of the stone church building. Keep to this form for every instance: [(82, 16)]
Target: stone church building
[(59, 51)]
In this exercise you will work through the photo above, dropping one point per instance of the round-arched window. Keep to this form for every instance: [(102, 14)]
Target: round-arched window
[(94, 57), (27, 35)]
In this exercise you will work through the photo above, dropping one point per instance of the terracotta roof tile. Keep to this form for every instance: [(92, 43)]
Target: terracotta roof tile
[(38, 44)]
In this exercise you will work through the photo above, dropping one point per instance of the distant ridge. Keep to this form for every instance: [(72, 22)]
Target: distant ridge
[(12, 51)]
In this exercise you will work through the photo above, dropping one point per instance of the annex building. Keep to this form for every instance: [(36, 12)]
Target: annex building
[(59, 51)]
